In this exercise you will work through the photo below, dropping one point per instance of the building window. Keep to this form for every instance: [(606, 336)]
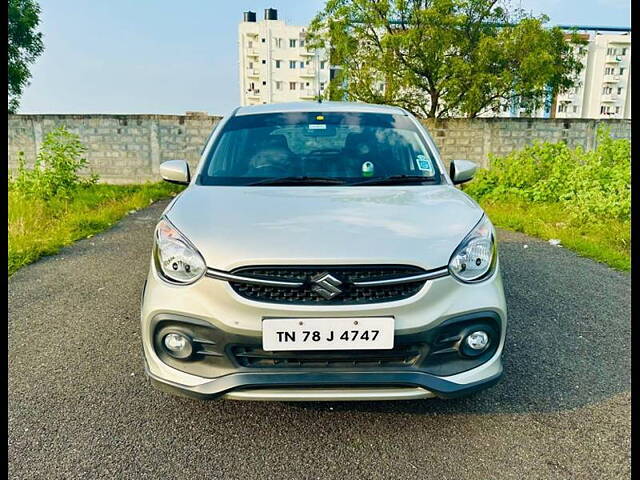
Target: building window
[(277, 42), (606, 91), (617, 109), (321, 85), (611, 51), (301, 64), (292, 85), (292, 42), (562, 108), (278, 85), (322, 64), (250, 64), (278, 63), (621, 70), (301, 85), (619, 90), (575, 109), (301, 43), (250, 44), (609, 71), (292, 64), (624, 51)]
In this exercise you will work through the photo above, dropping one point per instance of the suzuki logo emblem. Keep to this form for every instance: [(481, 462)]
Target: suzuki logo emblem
[(325, 285)]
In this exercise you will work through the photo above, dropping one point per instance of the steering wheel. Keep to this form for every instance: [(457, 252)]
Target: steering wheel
[(331, 151), (279, 170)]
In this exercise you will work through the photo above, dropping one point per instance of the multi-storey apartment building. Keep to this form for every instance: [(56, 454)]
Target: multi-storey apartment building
[(275, 63), (604, 87)]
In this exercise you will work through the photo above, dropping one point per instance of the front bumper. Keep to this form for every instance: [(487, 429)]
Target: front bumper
[(212, 304), (314, 386)]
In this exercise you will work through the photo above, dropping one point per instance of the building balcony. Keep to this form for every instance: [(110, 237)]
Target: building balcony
[(253, 93), (613, 59), (306, 53), (253, 72), (611, 78), (308, 72), (610, 98), (252, 52)]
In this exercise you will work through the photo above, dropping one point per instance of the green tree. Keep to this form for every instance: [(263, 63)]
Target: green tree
[(25, 45), (441, 58)]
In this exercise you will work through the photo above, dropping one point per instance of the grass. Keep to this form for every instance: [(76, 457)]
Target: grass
[(38, 228), (607, 241)]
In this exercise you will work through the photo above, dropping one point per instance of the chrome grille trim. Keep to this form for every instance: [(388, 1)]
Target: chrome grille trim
[(442, 272), (229, 277)]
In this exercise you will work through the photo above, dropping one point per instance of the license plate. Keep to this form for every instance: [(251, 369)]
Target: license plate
[(353, 333)]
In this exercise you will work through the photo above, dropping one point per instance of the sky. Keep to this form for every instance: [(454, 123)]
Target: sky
[(169, 57)]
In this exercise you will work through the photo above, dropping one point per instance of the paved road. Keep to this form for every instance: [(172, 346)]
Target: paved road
[(80, 406)]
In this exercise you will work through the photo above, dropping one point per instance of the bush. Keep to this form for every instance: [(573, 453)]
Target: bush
[(590, 185), (55, 173)]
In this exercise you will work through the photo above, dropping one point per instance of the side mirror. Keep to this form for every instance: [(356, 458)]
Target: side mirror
[(462, 171), (175, 171)]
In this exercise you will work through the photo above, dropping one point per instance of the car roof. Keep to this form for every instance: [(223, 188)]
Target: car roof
[(323, 107)]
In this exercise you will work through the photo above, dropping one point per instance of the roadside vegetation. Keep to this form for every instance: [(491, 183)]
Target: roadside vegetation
[(51, 205), (551, 191)]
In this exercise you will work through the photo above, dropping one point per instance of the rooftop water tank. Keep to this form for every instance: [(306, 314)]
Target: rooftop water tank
[(249, 16), (270, 14)]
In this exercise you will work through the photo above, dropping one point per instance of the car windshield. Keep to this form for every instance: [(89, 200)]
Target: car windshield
[(333, 148)]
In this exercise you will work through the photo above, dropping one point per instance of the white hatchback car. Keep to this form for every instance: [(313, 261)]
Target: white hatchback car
[(322, 252)]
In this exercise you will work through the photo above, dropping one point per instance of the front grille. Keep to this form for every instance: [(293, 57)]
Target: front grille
[(349, 295), (399, 356)]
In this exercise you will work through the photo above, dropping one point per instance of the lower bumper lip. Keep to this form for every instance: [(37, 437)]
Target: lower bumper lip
[(284, 385), (330, 394)]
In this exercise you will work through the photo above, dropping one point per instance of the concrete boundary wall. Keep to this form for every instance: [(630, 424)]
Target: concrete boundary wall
[(130, 148)]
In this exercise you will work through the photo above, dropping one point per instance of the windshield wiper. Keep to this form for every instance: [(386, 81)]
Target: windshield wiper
[(302, 180), (395, 180)]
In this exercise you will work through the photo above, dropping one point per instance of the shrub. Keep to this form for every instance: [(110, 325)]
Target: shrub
[(55, 173), (588, 184)]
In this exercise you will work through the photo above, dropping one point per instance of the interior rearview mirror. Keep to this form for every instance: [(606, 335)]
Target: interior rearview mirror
[(462, 171), (175, 171)]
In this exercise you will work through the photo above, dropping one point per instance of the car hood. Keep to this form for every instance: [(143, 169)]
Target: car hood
[(235, 226)]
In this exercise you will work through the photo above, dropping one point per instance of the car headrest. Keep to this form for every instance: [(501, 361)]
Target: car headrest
[(353, 140), (276, 141)]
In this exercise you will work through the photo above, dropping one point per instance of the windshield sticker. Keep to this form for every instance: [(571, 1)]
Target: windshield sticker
[(317, 126), (425, 165), (367, 169)]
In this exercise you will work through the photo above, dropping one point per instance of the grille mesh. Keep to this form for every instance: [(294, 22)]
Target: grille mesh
[(399, 356), (346, 274)]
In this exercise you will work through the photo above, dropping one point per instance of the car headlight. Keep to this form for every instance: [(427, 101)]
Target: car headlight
[(475, 257), (176, 258)]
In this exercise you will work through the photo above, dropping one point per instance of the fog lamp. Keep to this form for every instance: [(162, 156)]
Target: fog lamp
[(478, 340), (178, 345)]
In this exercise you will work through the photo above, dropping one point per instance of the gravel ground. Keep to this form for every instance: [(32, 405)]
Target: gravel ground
[(81, 407)]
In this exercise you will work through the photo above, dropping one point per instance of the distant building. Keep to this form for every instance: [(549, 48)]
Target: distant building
[(275, 64), (604, 87)]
